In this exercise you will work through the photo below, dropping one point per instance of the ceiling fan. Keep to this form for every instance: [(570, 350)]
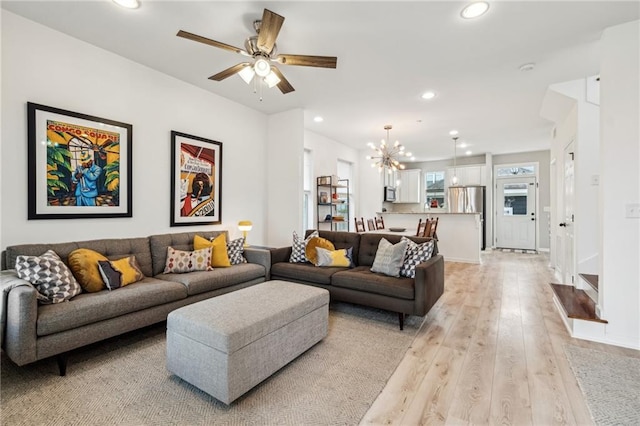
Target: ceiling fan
[(262, 49)]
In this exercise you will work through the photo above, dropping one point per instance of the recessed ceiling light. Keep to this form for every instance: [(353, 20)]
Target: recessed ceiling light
[(468, 152), (462, 145), (429, 95), (129, 4), (527, 67), (475, 9), (453, 132), (318, 119)]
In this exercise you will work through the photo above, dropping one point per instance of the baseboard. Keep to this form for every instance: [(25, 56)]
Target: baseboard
[(544, 250)]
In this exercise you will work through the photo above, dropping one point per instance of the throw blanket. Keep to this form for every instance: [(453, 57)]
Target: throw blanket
[(8, 280)]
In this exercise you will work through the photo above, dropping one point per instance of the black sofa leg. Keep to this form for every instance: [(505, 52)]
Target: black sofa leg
[(62, 363), (401, 319)]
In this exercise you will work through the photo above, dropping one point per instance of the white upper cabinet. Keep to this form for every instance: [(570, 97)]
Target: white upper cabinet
[(408, 189), (468, 175)]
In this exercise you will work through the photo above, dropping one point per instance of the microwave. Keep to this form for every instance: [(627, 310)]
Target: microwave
[(389, 193)]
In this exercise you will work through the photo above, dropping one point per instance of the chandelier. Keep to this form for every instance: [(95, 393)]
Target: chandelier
[(387, 156)]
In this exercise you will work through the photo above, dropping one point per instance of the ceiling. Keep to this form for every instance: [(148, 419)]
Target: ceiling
[(389, 53)]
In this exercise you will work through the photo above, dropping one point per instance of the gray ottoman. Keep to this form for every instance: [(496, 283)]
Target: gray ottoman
[(228, 344)]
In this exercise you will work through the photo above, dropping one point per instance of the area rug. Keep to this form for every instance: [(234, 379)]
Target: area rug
[(610, 384), (124, 381)]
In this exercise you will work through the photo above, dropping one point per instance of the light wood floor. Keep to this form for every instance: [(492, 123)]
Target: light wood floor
[(489, 352)]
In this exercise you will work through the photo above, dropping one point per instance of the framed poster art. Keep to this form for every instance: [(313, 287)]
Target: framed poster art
[(196, 180), (79, 166)]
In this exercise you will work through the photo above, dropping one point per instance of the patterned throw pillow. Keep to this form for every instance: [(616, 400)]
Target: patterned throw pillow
[(389, 258), (310, 248), (121, 272), (219, 257), (298, 247), (179, 261), (416, 254), (84, 265), (332, 257), (49, 275), (235, 250)]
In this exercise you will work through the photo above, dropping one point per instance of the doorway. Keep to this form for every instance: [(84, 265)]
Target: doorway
[(516, 212), (568, 266)]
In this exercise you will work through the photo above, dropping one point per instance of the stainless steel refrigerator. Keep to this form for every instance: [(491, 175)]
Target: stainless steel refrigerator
[(469, 199)]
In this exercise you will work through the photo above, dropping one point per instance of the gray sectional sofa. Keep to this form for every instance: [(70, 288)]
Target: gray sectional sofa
[(34, 331), (406, 296)]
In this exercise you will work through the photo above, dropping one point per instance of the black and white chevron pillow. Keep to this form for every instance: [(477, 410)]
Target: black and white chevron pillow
[(415, 254), (299, 246), (235, 251), (49, 275)]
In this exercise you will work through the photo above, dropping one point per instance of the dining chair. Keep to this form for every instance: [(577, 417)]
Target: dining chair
[(359, 224), (371, 225), (422, 226), (379, 223), (434, 226)]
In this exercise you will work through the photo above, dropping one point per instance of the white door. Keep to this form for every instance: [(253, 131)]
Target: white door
[(516, 213), (568, 219)]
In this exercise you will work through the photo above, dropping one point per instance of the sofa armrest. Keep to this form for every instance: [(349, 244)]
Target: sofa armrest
[(429, 284), (281, 254), (259, 257), (19, 336)]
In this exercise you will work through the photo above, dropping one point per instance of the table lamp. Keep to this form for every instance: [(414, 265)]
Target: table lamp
[(245, 226)]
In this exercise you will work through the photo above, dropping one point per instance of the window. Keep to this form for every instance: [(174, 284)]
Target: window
[(434, 193), (516, 171), (307, 209)]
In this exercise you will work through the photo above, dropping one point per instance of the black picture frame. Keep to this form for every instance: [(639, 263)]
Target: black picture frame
[(196, 180), (60, 144)]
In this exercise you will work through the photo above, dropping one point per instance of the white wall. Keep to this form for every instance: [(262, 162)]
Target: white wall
[(325, 154), (620, 183), (285, 157), (47, 67)]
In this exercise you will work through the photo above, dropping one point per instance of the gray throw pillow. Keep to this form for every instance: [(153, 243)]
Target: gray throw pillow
[(389, 258), (49, 275)]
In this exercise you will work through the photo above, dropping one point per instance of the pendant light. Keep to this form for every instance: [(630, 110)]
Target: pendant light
[(454, 179)]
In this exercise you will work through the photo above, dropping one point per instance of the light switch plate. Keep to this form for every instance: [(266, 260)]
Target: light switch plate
[(633, 210), (595, 180)]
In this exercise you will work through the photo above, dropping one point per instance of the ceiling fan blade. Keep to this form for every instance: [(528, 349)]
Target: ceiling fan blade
[(229, 71), (269, 29), (284, 85), (195, 37), (308, 61)]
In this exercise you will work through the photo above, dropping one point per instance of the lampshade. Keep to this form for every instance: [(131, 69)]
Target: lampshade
[(262, 67), (245, 226), (247, 74), (271, 79)]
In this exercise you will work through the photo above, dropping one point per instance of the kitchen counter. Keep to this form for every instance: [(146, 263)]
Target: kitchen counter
[(459, 234)]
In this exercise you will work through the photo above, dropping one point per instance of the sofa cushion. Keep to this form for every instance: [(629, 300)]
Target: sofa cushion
[(299, 246), (303, 272), (415, 254), (121, 272), (333, 257), (369, 246), (218, 246), (49, 275), (203, 281), (342, 240), (84, 265), (315, 242), (181, 241), (389, 257), (235, 250), (88, 308), (182, 261), (362, 279)]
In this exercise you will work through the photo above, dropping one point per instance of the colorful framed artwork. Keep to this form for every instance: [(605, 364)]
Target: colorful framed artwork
[(79, 166), (196, 180)]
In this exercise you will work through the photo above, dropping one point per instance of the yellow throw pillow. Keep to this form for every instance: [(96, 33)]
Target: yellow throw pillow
[(84, 265), (310, 250), (121, 272), (219, 256), (333, 257)]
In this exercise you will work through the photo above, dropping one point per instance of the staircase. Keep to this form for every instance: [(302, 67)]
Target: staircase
[(579, 308)]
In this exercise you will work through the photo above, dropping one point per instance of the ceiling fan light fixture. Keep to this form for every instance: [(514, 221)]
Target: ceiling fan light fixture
[(262, 67), (247, 74), (272, 79), (475, 9)]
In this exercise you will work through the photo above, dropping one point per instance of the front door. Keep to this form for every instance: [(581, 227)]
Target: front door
[(516, 215), (568, 219)]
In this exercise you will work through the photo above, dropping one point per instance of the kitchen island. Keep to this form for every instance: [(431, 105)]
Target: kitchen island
[(459, 234)]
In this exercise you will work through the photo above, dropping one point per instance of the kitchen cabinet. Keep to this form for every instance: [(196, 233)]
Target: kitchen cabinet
[(408, 189), (468, 175)]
